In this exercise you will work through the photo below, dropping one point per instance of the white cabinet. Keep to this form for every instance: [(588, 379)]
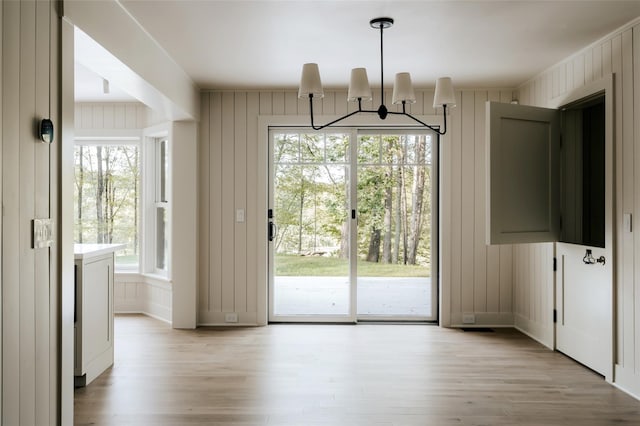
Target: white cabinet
[(93, 316)]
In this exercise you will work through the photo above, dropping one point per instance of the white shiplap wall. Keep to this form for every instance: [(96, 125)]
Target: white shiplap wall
[(475, 278), (618, 53), (111, 116), (30, 284)]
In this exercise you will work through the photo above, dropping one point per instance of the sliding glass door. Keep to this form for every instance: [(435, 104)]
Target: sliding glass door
[(310, 227), (351, 218), (396, 193)]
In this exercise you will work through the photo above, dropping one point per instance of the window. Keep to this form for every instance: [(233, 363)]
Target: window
[(122, 195), (157, 201), (107, 197), (161, 203)]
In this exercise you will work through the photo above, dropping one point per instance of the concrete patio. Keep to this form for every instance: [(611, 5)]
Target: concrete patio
[(378, 296)]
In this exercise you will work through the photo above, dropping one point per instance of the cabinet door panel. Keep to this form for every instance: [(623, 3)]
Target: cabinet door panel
[(523, 145)]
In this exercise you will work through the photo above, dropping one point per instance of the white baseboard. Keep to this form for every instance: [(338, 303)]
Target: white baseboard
[(534, 330), (218, 319), (482, 319), (627, 381)]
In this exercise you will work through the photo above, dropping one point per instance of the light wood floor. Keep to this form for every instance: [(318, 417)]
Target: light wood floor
[(343, 375)]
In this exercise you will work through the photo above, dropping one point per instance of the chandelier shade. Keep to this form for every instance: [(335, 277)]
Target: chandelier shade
[(444, 93), (403, 89), (310, 83), (359, 89), (359, 86)]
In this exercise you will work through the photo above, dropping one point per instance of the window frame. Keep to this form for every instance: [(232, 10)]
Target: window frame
[(152, 137), (94, 138)]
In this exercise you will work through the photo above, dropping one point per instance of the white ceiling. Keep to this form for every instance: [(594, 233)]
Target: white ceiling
[(263, 43)]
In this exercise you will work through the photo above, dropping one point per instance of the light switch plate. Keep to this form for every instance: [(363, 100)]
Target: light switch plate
[(42, 233)]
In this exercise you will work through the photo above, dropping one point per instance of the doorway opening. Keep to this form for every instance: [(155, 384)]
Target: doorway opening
[(353, 225)]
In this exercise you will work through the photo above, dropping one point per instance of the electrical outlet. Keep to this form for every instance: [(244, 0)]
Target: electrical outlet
[(231, 317), (468, 318), (239, 215)]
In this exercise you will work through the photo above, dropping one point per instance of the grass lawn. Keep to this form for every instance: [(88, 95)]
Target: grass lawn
[(318, 266)]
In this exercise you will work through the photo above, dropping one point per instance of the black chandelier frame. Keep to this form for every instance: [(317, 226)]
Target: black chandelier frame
[(382, 111)]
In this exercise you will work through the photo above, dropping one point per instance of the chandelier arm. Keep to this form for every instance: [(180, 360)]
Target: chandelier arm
[(314, 127), (434, 128), (444, 114)]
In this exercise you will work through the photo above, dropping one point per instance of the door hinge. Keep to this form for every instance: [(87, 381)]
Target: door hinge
[(560, 222), (555, 316), (555, 264), (353, 214)]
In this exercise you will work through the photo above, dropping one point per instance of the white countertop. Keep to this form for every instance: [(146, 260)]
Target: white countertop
[(83, 251)]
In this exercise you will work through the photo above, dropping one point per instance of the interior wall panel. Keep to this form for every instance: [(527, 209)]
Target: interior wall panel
[(43, 311), (240, 200), (473, 279), (204, 172), (467, 107), (26, 205), (1, 187), (29, 282), (110, 115), (636, 207), (455, 232)]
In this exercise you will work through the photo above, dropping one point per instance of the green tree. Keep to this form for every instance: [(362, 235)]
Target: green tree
[(107, 196)]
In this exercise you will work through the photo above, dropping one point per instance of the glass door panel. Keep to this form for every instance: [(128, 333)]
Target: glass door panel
[(309, 256), (396, 182)]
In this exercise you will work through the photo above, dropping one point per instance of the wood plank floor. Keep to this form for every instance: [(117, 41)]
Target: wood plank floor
[(343, 375)]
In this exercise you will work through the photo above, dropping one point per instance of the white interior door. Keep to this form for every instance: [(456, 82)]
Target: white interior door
[(584, 309), (584, 283), (523, 191)]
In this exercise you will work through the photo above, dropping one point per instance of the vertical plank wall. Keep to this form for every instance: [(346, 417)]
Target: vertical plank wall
[(618, 53), (29, 92), (475, 278), (103, 116), (132, 292)]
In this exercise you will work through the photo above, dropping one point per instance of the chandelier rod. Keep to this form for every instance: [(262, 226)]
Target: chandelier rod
[(381, 66)]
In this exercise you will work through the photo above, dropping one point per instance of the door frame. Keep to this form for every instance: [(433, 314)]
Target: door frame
[(297, 121), (604, 86), (351, 316)]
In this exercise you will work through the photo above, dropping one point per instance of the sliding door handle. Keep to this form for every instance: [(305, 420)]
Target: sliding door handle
[(273, 230)]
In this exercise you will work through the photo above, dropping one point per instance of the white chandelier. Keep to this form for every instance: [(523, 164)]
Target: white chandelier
[(359, 89)]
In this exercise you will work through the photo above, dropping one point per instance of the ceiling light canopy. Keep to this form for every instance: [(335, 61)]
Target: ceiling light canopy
[(359, 89)]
